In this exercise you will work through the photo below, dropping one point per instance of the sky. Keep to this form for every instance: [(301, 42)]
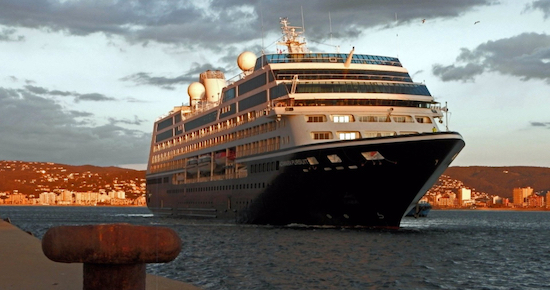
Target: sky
[(82, 82)]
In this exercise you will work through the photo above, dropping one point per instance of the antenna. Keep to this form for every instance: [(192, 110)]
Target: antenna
[(262, 20), (303, 25), (396, 37), (330, 27)]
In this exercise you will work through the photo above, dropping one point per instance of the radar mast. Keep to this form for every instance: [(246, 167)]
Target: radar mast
[(291, 38)]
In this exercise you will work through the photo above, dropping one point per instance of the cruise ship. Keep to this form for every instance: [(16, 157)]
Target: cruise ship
[(298, 137)]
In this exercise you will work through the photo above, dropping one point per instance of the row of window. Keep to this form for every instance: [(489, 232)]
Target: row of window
[(328, 135), (159, 180), (227, 187), (214, 128), (258, 147), (214, 188), (229, 137), (326, 58), (355, 102), (338, 74), (264, 167), (369, 118), (354, 87)]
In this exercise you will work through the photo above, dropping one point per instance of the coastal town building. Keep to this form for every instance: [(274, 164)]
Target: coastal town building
[(464, 197), (535, 200), (520, 195)]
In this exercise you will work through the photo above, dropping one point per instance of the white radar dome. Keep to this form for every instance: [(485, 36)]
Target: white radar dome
[(246, 60), (196, 91)]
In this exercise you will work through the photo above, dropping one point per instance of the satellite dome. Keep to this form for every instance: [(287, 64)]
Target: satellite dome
[(246, 60), (196, 91)]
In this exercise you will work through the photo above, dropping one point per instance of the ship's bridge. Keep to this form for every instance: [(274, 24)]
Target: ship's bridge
[(325, 58)]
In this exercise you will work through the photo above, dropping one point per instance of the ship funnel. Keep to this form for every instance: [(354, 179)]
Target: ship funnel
[(214, 82)]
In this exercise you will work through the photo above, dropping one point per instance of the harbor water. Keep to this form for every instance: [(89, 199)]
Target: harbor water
[(472, 249)]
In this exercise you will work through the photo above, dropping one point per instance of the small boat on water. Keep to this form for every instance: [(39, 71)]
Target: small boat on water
[(420, 210)]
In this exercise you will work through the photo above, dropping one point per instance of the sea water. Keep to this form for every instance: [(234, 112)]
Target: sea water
[(473, 249)]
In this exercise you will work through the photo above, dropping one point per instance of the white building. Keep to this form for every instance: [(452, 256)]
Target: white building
[(464, 196)]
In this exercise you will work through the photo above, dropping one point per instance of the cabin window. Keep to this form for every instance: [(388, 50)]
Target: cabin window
[(228, 95), (252, 101), (164, 135), (252, 84), (316, 118), (321, 135), (423, 119), (348, 135), (374, 118), (165, 124), (278, 91), (342, 118), (402, 119)]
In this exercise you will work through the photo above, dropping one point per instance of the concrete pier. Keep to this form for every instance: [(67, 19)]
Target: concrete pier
[(23, 266)]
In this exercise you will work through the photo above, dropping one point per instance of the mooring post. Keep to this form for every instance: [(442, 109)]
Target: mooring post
[(114, 255)]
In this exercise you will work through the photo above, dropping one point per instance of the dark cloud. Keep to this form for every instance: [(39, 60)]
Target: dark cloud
[(35, 128), (541, 124), (136, 121), (542, 5), (143, 78), (94, 97), (526, 56), (454, 73), (166, 83), (221, 23)]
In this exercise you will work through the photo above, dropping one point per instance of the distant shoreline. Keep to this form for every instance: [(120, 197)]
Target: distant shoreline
[(493, 209), (75, 205)]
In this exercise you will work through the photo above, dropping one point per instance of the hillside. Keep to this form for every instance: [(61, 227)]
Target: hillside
[(32, 178), (501, 180)]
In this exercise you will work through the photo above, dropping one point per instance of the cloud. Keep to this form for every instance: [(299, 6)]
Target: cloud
[(541, 124), (526, 56), (542, 5), (143, 78), (136, 121), (36, 128), (166, 83), (94, 97), (7, 34), (219, 23), (452, 72)]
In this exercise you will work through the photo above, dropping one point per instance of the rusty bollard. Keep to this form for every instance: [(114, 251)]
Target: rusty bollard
[(114, 255)]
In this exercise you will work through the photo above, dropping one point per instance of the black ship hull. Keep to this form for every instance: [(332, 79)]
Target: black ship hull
[(365, 182)]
